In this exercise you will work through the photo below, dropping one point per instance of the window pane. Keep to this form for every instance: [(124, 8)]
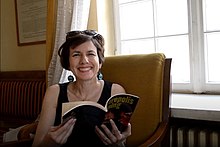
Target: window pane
[(212, 47), (211, 12), (136, 20), (171, 17), (137, 46), (125, 1), (177, 48)]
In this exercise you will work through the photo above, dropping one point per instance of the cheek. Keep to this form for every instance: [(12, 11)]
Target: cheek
[(72, 62)]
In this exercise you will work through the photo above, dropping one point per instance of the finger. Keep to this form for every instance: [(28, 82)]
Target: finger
[(115, 130), (61, 134), (101, 135), (110, 136), (64, 139), (127, 132), (118, 135), (53, 128), (66, 120), (67, 126), (106, 130)]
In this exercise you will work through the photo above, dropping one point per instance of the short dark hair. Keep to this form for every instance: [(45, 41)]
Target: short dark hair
[(76, 40)]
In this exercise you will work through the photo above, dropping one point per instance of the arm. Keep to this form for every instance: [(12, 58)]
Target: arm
[(47, 134)]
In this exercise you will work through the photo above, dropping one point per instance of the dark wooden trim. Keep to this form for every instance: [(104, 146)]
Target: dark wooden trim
[(22, 75), (166, 90), (161, 136), (158, 136)]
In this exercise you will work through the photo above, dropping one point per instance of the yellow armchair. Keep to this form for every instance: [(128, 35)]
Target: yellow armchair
[(147, 76)]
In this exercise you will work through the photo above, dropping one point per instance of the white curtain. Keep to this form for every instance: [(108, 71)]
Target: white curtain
[(71, 15)]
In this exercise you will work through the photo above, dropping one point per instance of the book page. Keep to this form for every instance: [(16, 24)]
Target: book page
[(66, 107)]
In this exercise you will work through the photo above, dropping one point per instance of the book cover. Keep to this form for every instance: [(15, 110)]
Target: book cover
[(119, 108)]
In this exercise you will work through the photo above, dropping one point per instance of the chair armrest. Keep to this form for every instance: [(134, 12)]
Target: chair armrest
[(157, 136)]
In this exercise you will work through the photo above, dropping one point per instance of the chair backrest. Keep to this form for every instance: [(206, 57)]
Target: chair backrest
[(142, 75)]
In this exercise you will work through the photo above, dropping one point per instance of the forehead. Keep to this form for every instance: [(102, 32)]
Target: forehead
[(88, 45)]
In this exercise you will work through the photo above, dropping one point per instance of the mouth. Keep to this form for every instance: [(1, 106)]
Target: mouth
[(84, 69)]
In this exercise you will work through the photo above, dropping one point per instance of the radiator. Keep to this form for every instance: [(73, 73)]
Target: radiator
[(194, 137)]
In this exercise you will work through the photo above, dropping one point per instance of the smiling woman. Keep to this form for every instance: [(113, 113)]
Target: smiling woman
[(82, 54)]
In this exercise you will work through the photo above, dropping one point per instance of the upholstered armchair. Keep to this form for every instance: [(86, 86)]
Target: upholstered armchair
[(147, 76)]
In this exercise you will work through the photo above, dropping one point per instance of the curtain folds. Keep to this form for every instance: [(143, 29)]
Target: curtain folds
[(51, 30), (70, 15)]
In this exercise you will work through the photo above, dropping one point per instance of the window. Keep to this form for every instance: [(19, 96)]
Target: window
[(188, 31)]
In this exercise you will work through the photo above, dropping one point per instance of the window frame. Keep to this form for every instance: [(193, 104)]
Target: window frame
[(196, 50)]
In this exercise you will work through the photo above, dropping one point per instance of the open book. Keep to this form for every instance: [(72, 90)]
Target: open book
[(119, 108)]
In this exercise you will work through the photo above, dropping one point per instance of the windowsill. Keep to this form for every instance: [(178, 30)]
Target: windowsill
[(196, 106)]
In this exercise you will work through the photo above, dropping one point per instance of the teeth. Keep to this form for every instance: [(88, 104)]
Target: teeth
[(85, 69)]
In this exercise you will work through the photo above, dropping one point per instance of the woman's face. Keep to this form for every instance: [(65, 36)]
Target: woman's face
[(84, 61)]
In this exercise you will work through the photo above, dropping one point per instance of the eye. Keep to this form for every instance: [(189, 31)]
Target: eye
[(75, 54), (91, 53)]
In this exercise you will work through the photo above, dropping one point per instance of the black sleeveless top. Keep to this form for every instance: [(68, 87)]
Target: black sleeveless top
[(83, 133)]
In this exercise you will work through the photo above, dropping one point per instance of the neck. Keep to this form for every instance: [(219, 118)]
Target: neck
[(85, 90)]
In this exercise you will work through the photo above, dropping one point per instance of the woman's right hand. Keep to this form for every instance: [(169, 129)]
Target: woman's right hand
[(58, 135)]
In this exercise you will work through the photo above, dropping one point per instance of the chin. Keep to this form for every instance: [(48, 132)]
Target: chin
[(86, 78)]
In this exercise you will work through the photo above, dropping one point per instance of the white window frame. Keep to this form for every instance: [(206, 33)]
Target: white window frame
[(196, 47)]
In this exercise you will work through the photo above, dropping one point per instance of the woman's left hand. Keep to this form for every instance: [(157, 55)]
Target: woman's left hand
[(113, 137)]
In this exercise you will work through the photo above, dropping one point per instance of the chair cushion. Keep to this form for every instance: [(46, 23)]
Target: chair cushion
[(141, 75)]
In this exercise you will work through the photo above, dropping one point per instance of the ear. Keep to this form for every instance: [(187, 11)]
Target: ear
[(100, 65)]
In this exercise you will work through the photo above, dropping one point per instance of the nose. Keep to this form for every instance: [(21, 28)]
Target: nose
[(84, 59)]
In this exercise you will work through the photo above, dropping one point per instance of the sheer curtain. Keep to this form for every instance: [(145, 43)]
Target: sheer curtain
[(71, 15)]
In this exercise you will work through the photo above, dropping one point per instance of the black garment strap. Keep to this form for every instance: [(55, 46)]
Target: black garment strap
[(106, 93), (61, 99)]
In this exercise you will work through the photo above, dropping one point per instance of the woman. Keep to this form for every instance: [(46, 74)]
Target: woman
[(83, 55)]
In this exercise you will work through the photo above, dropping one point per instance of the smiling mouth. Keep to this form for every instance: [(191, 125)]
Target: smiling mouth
[(84, 69)]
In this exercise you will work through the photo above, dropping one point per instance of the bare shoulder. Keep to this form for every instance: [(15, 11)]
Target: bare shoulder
[(54, 87), (51, 93), (49, 103), (117, 88)]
